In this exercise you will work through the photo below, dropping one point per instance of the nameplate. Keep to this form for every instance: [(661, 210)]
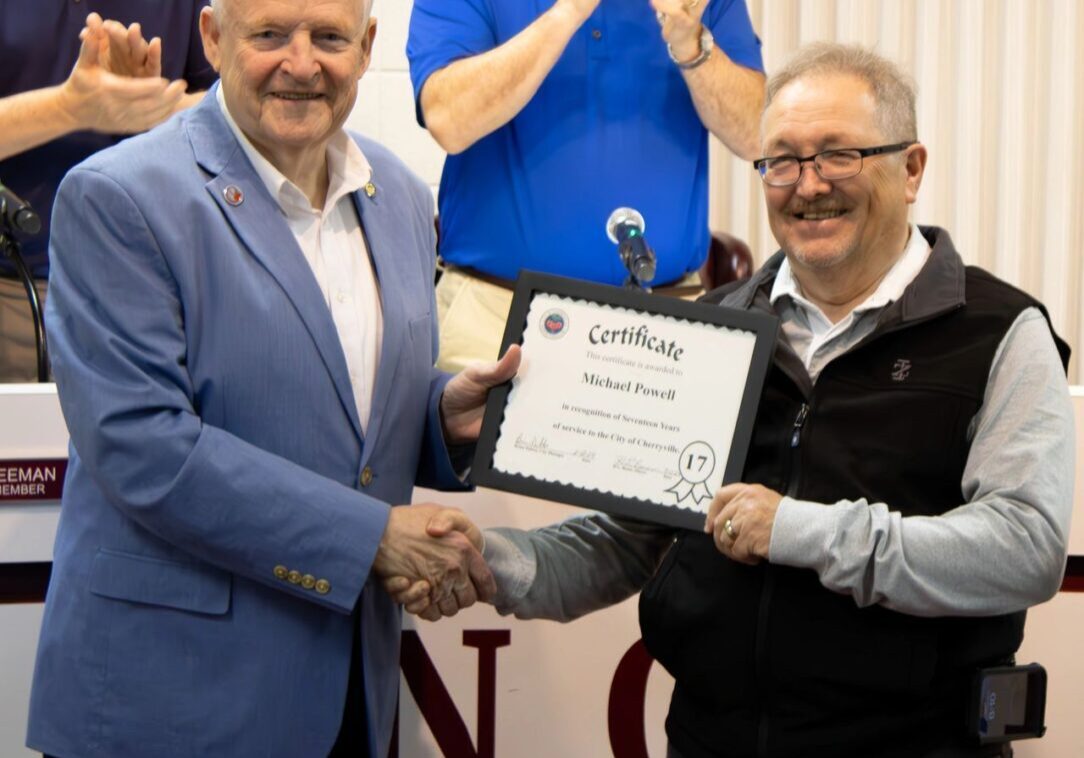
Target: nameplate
[(31, 480)]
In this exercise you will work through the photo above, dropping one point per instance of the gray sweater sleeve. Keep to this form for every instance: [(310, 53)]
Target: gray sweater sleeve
[(1003, 549), (580, 565)]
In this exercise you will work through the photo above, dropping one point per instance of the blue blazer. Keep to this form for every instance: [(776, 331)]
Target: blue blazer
[(222, 507)]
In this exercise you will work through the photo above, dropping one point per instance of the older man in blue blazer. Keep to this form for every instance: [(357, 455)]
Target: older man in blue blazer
[(242, 329)]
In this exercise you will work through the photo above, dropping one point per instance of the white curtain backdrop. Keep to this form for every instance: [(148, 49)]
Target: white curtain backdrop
[(1001, 109)]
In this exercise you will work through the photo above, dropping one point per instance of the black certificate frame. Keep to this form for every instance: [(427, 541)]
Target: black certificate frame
[(531, 283)]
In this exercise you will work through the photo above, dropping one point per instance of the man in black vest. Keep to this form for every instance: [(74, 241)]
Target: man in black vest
[(908, 490)]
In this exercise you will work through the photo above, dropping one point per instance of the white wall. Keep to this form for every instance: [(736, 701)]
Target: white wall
[(1001, 108), (385, 107)]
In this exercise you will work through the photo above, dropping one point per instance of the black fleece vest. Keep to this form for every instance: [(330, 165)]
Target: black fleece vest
[(770, 663)]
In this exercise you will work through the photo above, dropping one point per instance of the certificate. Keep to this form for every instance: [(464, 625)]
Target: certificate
[(633, 404)]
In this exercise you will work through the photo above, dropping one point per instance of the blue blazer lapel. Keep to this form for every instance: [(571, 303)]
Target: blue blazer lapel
[(261, 226), (380, 226)]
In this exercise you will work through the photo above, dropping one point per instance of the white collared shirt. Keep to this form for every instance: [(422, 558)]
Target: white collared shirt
[(334, 246), (813, 336)]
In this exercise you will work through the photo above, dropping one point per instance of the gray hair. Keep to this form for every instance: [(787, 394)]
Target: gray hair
[(218, 5), (893, 90)]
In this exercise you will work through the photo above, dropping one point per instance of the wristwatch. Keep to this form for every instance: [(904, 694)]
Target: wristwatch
[(707, 44)]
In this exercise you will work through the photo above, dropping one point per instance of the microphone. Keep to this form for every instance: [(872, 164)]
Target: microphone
[(625, 228), (16, 213)]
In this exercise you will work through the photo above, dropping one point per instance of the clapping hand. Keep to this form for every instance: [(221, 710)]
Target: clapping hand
[(116, 85), (123, 50), (681, 22)]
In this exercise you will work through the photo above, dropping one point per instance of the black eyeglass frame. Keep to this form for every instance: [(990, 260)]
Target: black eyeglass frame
[(863, 153)]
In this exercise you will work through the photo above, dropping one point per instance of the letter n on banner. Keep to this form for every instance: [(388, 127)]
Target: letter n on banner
[(434, 702), (627, 695)]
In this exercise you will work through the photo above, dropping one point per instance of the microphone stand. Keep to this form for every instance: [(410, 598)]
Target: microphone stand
[(9, 247), (633, 282)]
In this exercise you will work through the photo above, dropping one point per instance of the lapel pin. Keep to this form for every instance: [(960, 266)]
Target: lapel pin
[(233, 195), (370, 190)]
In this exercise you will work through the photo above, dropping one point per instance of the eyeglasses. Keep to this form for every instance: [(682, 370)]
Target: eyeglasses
[(831, 165)]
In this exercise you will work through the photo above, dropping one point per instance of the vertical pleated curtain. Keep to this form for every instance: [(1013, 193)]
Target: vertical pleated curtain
[(1001, 109)]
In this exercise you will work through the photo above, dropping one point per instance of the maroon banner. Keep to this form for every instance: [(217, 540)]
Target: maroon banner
[(1074, 574), (24, 582), (31, 479)]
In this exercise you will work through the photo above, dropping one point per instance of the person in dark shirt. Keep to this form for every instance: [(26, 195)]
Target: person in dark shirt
[(98, 82)]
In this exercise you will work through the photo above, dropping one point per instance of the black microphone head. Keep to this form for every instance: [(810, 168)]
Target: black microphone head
[(27, 220), (16, 213), (624, 217)]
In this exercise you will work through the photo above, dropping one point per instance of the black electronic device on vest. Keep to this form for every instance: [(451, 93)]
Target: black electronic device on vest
[(1008, 703)]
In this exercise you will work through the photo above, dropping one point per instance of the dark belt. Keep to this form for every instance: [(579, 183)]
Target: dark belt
[(671, 289)]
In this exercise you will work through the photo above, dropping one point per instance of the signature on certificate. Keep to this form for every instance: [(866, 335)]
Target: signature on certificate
[(634, 465), (534, 444), (585, 456), (637, 466), (538, 444)]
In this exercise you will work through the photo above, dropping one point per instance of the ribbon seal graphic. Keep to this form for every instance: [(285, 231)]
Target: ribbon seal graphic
[(696, 465)]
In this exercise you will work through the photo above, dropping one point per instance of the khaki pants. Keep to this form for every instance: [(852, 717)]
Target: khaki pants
[(18, 353), (472, 314)]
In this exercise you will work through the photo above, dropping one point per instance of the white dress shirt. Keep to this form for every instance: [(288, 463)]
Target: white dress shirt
[(814, 337), (332, 242)]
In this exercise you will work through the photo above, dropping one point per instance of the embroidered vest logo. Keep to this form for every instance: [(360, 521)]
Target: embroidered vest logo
[(901, 370)]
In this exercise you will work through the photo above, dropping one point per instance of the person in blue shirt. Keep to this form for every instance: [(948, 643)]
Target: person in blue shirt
[(556, 113), (72, 84)]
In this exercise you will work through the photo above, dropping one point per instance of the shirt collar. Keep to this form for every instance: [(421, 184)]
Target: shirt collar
[(348, 169), (890, 289)]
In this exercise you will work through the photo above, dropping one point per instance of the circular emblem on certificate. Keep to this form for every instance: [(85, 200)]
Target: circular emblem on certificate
[(696, 464), (554, 323)]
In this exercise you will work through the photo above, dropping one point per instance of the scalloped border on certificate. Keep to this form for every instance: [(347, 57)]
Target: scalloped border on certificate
[(633, 404)]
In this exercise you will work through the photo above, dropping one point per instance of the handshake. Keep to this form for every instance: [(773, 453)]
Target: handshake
[(430, 560), (430, 557)]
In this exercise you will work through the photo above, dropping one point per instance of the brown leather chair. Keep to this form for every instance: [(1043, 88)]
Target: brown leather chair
[(729, 259)]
